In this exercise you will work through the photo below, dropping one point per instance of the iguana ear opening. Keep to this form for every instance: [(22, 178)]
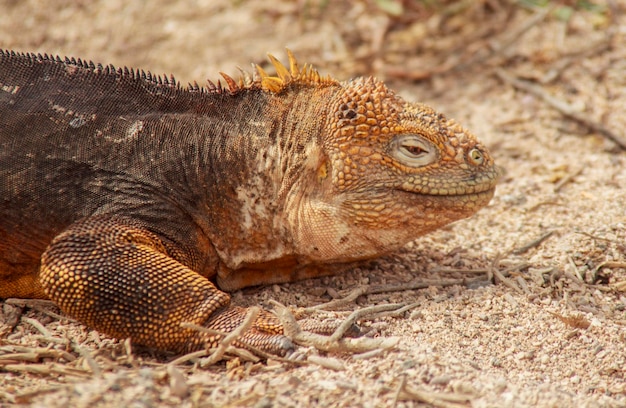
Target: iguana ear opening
[(322, 171)]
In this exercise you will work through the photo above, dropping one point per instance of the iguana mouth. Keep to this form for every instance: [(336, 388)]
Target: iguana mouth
[(463, 203), (484, 184), (477, 190)]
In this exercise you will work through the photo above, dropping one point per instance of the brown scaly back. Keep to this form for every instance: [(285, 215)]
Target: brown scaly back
[(259, 79)]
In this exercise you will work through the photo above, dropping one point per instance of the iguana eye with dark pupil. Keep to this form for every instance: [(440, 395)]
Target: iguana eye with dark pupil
[(414, 150)]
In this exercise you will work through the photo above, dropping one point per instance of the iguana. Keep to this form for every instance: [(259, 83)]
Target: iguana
[(128, 199)]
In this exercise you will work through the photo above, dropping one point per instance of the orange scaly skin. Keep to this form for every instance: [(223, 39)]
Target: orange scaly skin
[(128, 200)]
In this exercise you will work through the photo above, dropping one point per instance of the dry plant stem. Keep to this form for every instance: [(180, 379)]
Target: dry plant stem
[(396, 394), (291, 327), (499, 48), (32, 303), (367, 355), (323, 343), (397, 312), (39, 305), (26, 397), (351, 297), (30, 357), (416, 284), (347, 345), (494, 272), (506, 281), (188, 357), (31, 354), (522, 283), (436, 399), (37, 325), (330, 363), (5, 396), (596, 237), (354, 316), (95, 368), (46, 335), (516, 267), (128, 349), (459, 270), (55, 340), (202, 329), (421, 284), (576, 56), (493, 266), (47, 369), (572, 264), (246, 355), (567, 179), (454, 63), (15, 357), (611, 264), (563, 107), (533, 243)]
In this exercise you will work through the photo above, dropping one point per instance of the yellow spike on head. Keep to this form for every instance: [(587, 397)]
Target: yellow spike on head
[(281, 70)]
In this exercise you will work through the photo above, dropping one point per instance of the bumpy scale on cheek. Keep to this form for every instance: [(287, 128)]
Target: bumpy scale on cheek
[(364, 119)]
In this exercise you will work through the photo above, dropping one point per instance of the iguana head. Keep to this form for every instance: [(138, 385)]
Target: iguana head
[(386, 172)]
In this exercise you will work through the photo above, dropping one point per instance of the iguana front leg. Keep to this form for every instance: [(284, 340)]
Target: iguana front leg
[(116, 276)]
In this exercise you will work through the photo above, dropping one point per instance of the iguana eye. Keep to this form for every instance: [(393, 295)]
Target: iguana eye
[(413, 150), (476, 157)]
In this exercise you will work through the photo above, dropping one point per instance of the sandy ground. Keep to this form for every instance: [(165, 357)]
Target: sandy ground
[(551, 332)]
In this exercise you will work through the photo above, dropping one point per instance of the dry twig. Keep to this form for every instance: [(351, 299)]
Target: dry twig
[(189, 356), (47, 370), (335, 303), (26, 396), (326, 362), (95, 368), (324, 343), (16, 354), (357, 314), (37, 325), (436, 399), (567, 179), (396, 394), (40, 305), (454, 63), (562, 106), (535, 242)]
